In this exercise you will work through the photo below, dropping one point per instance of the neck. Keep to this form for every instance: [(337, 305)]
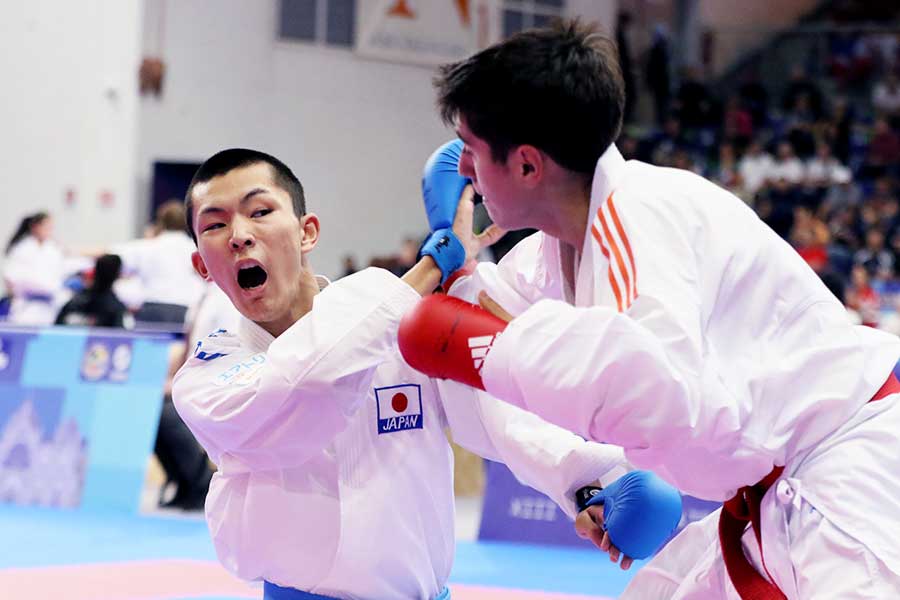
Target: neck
[(307, 288), (567, 218)]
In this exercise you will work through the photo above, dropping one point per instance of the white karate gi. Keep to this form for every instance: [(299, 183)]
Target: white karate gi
[(34, 272), (328, 481), (701, 342)]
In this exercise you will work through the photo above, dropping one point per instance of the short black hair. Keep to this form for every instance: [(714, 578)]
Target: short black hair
[(107, 269), (558, 88), (236, 158)]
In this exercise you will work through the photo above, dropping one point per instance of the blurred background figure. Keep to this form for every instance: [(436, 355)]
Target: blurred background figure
[(163, 266), (97, 305), (33, 272), (185, 463)]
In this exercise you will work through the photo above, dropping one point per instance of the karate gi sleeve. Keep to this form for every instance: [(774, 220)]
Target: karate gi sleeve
[(546, 457), (516, 282), (277, 409)]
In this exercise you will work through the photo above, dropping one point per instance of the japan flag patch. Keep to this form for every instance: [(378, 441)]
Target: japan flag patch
[(399, 408)]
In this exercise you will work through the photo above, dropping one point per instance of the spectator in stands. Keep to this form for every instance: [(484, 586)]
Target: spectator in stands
[(661, 148), (163, 264), (874, 256), (97, 305), (889, 215), (658, 76), (788, 167), (886, 98), (799, 124), (884, 149), (628, 146), (727, 173), (844, 239), (862, 297), (838, 128), (694, 101), (802, 86), (755, 98), (756, 168), (33, 272), (737, 123), (824, 170), (810, 236), (682, 159)]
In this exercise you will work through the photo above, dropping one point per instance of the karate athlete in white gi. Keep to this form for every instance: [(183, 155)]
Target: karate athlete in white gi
[(657, 312), (33, 272), (335, 476)]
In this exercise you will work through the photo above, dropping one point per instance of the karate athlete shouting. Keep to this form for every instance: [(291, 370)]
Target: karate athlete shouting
[(335, 476), (655, 311)]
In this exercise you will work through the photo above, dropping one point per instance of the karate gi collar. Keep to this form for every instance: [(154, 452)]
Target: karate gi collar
[(592, 285), (257, 337)]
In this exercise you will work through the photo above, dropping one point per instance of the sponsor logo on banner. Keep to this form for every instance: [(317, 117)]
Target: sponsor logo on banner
[(399, 408), (95, 362), (429, 32), (242, 373), (106, 359)]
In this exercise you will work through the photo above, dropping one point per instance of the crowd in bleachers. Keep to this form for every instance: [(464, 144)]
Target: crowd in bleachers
[(821, 167)]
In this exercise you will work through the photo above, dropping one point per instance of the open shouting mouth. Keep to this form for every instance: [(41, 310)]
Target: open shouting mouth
[(251, 277)]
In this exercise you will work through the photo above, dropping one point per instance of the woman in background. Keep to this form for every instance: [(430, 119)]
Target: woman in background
[(33, 272)]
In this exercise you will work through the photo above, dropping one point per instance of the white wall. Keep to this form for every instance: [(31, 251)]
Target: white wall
[(356, 132), (69, 115)]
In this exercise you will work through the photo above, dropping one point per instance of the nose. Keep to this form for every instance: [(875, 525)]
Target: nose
[(241, 236)]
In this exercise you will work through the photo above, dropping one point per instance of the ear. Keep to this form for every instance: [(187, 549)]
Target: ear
[(528, 165), (200, 266), (309, 232)]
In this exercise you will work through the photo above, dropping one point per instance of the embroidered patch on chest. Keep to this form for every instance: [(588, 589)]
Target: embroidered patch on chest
[(399, 407)]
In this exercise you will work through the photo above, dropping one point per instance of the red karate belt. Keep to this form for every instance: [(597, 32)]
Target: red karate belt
[(743, 509)]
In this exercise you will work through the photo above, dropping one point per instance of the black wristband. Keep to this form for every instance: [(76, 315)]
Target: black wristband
[(583, 496)]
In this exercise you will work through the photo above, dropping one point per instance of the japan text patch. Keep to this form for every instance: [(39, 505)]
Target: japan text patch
[(399, 408)]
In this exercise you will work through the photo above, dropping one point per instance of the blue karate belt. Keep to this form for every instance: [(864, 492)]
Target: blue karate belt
[(276, 592), (35, 297)]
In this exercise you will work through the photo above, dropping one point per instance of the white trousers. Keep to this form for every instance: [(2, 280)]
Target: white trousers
[(830, 526)]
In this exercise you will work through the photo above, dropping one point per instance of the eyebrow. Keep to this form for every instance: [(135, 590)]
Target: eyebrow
[(463, 138), (247, 197)]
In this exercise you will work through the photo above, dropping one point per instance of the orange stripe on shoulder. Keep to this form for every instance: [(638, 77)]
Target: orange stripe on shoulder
[(612, 279), (620, 262), (618, 223)]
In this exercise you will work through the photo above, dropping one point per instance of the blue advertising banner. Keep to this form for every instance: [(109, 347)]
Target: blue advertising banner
[(79, 411), (514, 512)]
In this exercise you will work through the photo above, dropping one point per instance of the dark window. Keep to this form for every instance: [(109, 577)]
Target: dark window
[(298, 20), (329, 22), (341, 22)]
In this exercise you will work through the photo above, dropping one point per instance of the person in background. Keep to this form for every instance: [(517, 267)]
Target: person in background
[(182, 458), (34, 271), (98, 305), (163, 265)]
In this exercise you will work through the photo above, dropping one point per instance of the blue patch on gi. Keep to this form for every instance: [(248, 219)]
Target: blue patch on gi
[(207, 356), (399, 407)]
